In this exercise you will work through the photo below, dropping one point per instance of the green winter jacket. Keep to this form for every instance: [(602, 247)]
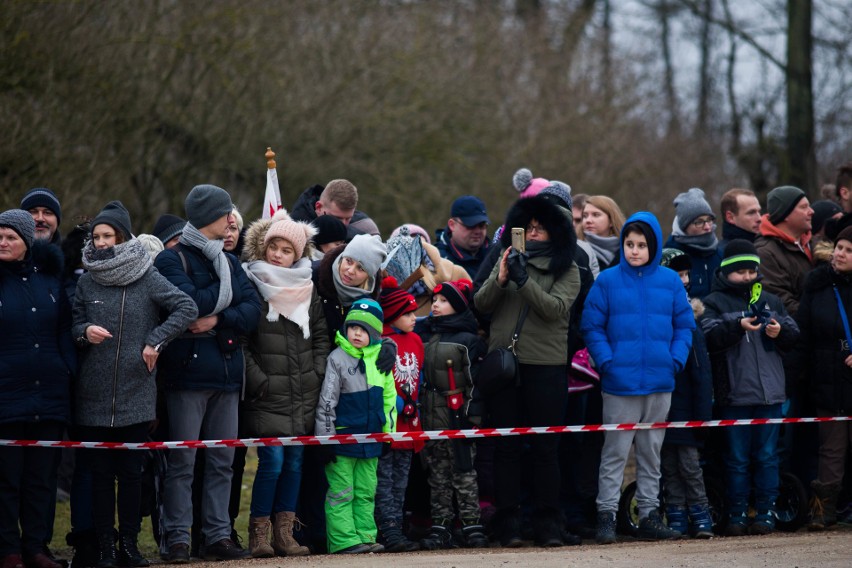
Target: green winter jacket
[(544, 336)]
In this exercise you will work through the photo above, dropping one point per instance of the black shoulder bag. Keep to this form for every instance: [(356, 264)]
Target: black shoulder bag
[(499, 369)]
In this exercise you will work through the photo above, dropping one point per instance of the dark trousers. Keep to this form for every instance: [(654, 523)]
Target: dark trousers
[(28, 487), (106, 467), (538, 401)]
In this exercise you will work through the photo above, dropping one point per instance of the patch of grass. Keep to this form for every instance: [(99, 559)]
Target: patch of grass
[(147, 545)]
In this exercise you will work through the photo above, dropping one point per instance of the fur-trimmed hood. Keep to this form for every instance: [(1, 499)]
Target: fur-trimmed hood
[(559, 227), (256, 232)]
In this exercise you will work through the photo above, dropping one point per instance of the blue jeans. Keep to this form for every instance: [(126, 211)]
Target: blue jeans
[(276, 484), (752, 457)]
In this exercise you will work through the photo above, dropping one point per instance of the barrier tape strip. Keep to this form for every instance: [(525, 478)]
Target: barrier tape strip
[(413, 436)]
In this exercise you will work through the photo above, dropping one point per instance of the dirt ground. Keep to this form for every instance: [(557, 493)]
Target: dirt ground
[(832, 549)]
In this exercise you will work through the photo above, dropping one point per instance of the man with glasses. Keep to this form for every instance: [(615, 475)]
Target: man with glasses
[(694, 232), (465, 241)]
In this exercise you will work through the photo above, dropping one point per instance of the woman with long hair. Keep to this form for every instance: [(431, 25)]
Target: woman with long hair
[(601, 227)]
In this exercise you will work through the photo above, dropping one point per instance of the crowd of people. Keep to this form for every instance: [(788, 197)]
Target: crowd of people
[(309, 323)]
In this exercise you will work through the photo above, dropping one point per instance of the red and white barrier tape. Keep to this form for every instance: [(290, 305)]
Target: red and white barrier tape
[(413, 436)]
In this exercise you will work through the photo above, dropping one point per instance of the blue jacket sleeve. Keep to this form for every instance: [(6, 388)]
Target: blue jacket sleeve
[(169, 264)]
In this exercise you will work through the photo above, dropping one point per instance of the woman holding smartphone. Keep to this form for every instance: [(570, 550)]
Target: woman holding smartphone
[(545, 280)]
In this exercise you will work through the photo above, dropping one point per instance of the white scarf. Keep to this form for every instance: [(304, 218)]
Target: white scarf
[(287, 290)]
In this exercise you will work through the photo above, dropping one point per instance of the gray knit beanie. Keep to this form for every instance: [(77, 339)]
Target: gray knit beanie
[(781, 201), (207, 203), (116, 216), (691, 205), (369, 250), (21, 222), (562, 191)]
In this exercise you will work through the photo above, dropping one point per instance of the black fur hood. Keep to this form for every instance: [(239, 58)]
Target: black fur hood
[(47, 258), (559, 227)]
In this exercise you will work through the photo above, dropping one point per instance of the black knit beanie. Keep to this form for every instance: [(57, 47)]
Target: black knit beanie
[(739, 254), (116, 216)]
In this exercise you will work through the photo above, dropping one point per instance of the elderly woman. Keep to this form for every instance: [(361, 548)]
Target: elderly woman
[(117, 311), (545, 280), (824, 311), (37, 362)]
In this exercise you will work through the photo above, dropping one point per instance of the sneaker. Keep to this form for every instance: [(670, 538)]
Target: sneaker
[(605, 533), (677, 518), (225, 549), (178, 554), (652, 527), (737, 525), (355, 549), (764, 522), (700, 521)]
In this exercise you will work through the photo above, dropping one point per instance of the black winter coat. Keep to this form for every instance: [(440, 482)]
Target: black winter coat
[(692, 398), (823, 346), (37, 354)]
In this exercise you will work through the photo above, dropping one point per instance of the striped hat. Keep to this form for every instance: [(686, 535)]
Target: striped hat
[(366, 313), (739, 254)]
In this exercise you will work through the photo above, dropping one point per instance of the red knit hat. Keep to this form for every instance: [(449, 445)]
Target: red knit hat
[(458, 293), (395, 301)]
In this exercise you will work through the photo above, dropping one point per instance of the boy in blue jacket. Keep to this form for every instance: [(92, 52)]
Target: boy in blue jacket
[(637, 324)]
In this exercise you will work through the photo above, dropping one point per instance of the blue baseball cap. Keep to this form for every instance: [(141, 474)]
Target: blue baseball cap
[(470, 210)]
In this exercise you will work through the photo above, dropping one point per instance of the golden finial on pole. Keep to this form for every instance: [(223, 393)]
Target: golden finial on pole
[(270, 158)]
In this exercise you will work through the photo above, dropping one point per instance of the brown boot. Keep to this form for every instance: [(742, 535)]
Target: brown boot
[(282, 535), (259, 529), (823, 506)]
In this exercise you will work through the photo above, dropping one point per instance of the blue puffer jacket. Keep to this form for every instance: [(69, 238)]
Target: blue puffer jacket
[(637, 323), (195, 361), (37, 356)]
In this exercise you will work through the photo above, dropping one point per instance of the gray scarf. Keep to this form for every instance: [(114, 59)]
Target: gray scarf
[(212, 251), (120, 265), (606, 248), (705, 242)]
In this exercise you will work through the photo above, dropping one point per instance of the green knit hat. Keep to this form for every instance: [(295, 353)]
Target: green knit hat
[(366, 313)]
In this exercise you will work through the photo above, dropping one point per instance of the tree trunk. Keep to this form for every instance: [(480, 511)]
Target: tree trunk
[(801, 155)]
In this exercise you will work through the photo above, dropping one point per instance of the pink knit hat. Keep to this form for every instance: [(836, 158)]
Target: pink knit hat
[(296, 232), (526, 184)]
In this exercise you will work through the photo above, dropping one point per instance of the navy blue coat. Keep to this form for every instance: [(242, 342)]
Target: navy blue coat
[(692, 398), (704, 265), (195, 361), (37, 355)]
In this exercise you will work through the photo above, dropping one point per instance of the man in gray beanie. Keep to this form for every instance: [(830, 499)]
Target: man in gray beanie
[(202, 373), (694, 232), (784, 244), (44, 206)]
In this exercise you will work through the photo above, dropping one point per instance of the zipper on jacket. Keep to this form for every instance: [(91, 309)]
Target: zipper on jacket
[(117, 355)]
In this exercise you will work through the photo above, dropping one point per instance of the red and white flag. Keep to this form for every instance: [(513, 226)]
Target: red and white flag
[(272, 198)]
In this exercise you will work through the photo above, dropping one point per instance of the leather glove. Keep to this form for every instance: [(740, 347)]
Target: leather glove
[(326, 455), (517, 264), (387, 356)]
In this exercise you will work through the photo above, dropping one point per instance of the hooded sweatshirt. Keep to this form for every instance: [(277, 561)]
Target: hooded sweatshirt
[(637, 322)]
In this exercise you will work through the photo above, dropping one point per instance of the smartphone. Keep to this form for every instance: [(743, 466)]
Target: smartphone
[(519, 241)]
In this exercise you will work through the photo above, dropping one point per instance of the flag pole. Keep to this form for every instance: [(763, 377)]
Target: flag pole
[(272, 197)]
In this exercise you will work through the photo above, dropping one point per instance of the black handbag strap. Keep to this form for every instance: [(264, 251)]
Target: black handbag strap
[(517, 333)]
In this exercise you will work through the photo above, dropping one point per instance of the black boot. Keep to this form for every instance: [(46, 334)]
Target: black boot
[(106, 549), (128, 552), (439, 537), (85, 545), (547, 528)]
